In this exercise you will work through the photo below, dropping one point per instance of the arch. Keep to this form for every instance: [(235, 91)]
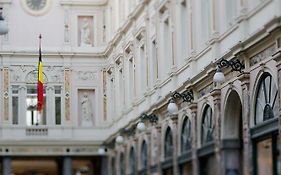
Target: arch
[(32, 77), (132, 160), (266, 99), (143, 157), (168, 144), (231, 127), (186, 135), (207, 125)]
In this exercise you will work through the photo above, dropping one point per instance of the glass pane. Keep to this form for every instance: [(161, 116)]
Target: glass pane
[(144, 155), (15, 104), (57, 89), (264, 157), (132, 161), (58, 110), (186, 135), (207, 125), (168, 144)]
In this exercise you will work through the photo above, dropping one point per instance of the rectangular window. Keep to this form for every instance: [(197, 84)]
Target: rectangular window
[(32, 116), (143, 71), (167, 46), (58, 104), (15, 104), (183, 33), (154, 62)]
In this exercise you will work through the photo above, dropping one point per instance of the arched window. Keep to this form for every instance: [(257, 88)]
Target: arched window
[(132, 165), (143, 155), (266, 106), (168, 147), (122, 164), (207, 125), (186, 135)]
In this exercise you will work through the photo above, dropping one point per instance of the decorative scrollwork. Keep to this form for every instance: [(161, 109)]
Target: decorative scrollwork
[(235, 64), (187, 96), (151, 118)]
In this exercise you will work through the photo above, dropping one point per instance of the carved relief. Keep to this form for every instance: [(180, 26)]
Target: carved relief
[(27, 73), (262, 55), (85, 31), (86, 107), (86, 75)]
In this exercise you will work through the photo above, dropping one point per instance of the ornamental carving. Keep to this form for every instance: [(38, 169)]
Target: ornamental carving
[(268, 52), (28, 74), (86, 75)]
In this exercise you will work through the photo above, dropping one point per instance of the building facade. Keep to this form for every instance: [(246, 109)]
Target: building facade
[(110, 65)]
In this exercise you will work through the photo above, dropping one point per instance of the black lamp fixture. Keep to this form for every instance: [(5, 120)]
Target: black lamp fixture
[(152, 118), (186, 96), (235, 65), (3, 24)]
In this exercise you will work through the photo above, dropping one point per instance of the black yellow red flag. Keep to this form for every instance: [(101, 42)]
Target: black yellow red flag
[(40, 86)]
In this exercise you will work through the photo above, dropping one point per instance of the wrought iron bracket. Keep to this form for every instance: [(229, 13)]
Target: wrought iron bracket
[(235, 64), (186, 96)]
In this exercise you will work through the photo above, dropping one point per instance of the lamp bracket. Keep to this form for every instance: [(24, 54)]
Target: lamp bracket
[(235, 64), (152, 118), (187, 96)]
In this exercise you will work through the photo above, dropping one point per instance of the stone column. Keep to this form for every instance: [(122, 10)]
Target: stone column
[(6, 165), (195, 162), (277, 58), (245, 82), (175, 144), (67, 165), (216, 93)]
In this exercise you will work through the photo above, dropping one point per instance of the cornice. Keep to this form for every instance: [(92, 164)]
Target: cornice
[(83, 3)]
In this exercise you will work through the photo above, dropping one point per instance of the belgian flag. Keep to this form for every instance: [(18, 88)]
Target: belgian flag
[(40, 86)]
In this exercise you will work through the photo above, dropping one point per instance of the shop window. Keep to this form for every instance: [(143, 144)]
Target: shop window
[(122, 164), (132, 164), (186, 135), (207, 126), (144, 155), (168, 146)]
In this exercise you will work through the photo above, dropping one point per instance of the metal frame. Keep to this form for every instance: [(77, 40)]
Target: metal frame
[(152, 118)]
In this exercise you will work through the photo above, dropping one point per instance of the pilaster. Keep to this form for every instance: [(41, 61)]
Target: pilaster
[(195, 161), (216, 93), (175, 143), (245, 82)]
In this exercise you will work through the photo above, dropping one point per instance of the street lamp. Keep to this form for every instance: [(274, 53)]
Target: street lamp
[(235, 65), (186, 96), (3, 24), (144, 117)]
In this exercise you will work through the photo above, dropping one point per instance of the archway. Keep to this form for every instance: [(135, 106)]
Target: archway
[(232, 135)]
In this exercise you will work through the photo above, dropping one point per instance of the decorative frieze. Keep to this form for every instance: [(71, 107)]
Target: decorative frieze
[(262, 55), (87, 75), (205, 90)]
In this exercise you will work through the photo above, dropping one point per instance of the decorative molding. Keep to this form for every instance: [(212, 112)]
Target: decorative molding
[(87, 75), (205, 90), (266, 53)]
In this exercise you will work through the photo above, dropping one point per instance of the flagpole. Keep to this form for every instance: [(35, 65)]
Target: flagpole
[(39, 93)]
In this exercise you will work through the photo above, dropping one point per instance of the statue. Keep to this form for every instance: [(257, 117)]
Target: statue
[(86, 108), (85, 36)]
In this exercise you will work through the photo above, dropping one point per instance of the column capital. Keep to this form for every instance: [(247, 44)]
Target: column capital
[(174, 118), (277, 57), (193, 107), (216, 93), (244, 78)]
